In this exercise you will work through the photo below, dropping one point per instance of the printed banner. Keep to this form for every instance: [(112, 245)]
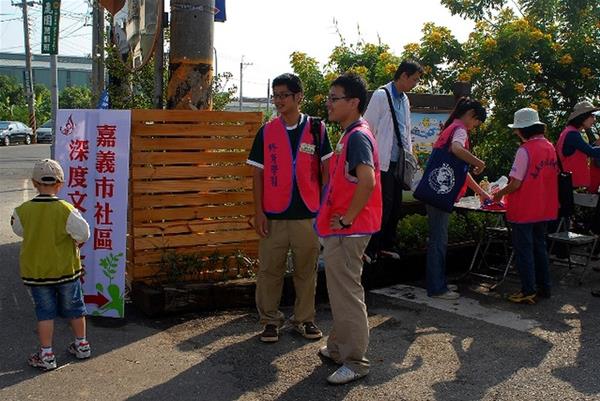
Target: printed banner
[(426, 128), (50, 22), (92, 146)]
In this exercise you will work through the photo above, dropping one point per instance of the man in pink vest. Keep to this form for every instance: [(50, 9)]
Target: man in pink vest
[(532, 201), (290, 156), (349, 215)]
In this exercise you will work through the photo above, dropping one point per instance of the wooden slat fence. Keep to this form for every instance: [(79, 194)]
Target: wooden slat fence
[(191, 191)]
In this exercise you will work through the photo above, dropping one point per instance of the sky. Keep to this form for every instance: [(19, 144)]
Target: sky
[(263, 32)]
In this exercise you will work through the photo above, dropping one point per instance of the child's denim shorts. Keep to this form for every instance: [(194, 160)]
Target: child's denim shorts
[(65, 300)]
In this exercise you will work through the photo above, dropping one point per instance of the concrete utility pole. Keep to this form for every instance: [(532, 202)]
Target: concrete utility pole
[(242, 65), (28, 71), (268, 95), (53, 96), (191, 55), (97, 52)]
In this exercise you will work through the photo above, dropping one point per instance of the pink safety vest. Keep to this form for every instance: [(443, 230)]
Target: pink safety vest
[(445, 137), (577, 163), (340, 192), (281, 169), (536, 199)]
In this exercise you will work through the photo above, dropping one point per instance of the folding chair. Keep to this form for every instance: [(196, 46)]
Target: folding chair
[(579, 245)]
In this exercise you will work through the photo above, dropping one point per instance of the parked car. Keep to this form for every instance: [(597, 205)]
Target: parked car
[(15, 131), (45, 133)]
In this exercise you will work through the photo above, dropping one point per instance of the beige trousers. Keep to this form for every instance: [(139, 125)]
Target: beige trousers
[(349, 337), (300, 237)]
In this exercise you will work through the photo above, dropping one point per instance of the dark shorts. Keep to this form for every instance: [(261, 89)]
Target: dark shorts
[(65, 300)]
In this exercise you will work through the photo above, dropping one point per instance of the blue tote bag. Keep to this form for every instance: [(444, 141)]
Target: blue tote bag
[(444, 177)]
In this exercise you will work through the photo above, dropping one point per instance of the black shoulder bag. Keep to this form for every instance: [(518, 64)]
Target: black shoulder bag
[(566, 204)]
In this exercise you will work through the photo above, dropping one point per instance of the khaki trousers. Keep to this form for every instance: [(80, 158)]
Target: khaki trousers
[(349, 337), (300, 237)]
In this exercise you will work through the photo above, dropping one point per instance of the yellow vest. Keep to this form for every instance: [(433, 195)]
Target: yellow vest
[(49, 254)]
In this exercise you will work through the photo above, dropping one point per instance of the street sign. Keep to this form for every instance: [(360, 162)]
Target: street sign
[(50, 19)]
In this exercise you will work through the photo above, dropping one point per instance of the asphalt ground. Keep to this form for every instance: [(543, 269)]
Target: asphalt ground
[(478, 348)]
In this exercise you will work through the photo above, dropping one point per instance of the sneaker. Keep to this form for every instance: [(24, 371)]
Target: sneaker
[(81, 351), (369, 258), (452, 287), (45, 362), (448, 295), (270, 334), (520, 298), (344, 375), (324, 352), (308, 330)]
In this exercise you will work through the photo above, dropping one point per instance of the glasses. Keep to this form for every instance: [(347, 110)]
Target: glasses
[(281, 96), (334, 99)]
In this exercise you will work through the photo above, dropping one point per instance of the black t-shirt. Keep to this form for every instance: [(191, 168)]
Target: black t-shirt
[(297, 209)]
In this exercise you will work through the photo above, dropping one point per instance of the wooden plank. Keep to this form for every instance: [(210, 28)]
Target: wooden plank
[(169, 158), (186, 226), (186, 185), (141, 130), (170, 241), (143, 201), (145, 144), (152, 272), (193, 115), (189, 213), (142, 258), (158, 172)]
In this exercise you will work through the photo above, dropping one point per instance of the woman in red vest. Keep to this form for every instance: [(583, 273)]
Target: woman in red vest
[(573, 150), (532, 201)]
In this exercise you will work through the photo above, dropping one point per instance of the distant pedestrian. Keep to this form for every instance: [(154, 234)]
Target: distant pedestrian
[(350, 213), (289, 155), (52, 229)]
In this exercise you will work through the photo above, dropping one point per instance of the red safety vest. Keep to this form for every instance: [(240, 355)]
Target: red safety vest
[(577, 163), (281, 169), (445, 137), (536, 199), (340, 192), (594, 178)]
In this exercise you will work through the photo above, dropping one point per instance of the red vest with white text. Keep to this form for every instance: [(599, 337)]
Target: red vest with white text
[(536, 200), (281, 169), (341, 189), (577, 163)]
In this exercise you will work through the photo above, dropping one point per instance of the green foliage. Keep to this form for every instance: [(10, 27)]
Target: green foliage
[(222, 94), (413, 230), (75, 97), (13, 102)]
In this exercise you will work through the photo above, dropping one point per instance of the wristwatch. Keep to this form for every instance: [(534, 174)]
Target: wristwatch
[(344, 225)]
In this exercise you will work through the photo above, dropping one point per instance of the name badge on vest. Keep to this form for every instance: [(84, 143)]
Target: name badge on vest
[(339, 147), (307, 148)]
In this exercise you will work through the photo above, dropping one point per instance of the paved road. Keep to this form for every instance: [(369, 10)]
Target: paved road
[(480, 348)]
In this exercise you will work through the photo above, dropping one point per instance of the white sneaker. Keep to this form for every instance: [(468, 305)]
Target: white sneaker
[(452, 287), (448, 295), (344, 375)]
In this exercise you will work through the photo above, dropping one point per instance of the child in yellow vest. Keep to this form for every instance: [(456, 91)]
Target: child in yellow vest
[(49, 261)]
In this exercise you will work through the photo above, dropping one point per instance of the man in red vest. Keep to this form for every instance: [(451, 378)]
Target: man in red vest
[(290, 156), (349, 215)]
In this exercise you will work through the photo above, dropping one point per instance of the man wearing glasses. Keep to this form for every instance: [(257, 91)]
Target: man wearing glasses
[(379, 116), (289, 156), (350, 213)]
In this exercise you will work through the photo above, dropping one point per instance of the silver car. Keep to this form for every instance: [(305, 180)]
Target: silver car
[(45, 132), (15, 131)]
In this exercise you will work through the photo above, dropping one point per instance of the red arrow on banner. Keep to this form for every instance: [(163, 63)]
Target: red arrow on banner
[(99, 299)]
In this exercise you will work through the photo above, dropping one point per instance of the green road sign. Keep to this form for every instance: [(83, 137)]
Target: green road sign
[(50, 18)]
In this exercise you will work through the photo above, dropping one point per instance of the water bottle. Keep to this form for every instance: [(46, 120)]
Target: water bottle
[(499, 184)]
